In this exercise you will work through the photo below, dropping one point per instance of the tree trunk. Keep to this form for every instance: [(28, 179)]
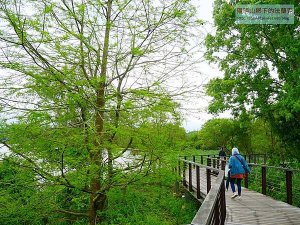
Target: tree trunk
[(98, 196), (97, 203)]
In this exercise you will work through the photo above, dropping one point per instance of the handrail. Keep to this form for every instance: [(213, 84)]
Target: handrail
[(213, 208), (254, 157), (197, 164), (265, 180), (260, 165), (216, 195)]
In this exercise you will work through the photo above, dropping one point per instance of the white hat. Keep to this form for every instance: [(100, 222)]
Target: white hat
[(235, 151)]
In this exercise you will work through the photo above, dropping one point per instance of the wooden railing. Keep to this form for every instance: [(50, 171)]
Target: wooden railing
[(250, 158), (276, 182), (213, 208), (269, 180)]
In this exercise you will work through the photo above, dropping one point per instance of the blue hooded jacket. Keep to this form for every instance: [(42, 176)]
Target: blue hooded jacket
[(238, 166)]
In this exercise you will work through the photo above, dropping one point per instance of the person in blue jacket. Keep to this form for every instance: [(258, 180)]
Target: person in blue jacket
[(238, 170)]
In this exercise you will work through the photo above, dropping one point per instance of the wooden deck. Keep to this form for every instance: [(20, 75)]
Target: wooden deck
[(253, 208)]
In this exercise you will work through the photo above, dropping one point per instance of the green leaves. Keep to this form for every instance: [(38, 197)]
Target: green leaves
[(136, 51), (20, 195), (218, 132), (81, 8), (219, 89), (94, 74), (259, 64), (179, 13), (49, 8)]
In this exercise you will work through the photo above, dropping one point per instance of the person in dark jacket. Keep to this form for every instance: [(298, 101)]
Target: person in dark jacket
[(222, 153), (238, 168)]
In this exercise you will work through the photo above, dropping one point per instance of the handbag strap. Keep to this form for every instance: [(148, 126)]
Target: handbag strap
[(244, 167), (239, 160)]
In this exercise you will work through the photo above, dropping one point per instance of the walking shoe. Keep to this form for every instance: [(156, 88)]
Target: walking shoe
[(234, 195), (239, 197)]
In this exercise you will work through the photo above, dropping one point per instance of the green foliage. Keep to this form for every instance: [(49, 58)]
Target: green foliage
[(49, 8), (149, 202), (275, 183), (217, 133), (84, 90), (250, 135), (261, 71), (20, 199), (136, 51)]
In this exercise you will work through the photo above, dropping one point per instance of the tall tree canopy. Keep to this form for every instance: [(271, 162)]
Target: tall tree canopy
[(261, 67), (247, 134), (218, 133), (81, 80)]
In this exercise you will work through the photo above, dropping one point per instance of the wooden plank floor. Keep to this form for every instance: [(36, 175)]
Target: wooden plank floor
[(253, 208)]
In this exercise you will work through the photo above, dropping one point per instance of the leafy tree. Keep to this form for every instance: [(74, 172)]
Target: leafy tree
[(83, 80), (261, 70), (218, 133), (21, 202), (244, 131), (248, 134), (263, 140), (192, 139)]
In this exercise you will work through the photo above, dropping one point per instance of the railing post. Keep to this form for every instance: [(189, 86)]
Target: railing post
[(183, 173), (223, 207), (289, 186), (214, 162), (190, 178), (194, 160), (217, 212), (208, 182), (179, 170), (223, 163), (247, 181), (208, 161), (202, 159), (263, 180), (198, 181)]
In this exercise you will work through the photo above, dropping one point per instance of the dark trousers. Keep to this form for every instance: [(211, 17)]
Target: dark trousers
[(239, 185), (228, 180)]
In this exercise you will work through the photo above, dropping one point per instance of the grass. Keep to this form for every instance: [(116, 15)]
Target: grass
[(275, 184), (153, 205)]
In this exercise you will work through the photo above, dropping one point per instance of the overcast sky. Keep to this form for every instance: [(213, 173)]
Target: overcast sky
[(194, 120)]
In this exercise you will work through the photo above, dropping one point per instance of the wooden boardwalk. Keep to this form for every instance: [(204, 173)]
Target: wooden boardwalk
[(253, 208)]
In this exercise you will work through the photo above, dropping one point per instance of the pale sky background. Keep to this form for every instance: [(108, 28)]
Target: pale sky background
[(194, 121)]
